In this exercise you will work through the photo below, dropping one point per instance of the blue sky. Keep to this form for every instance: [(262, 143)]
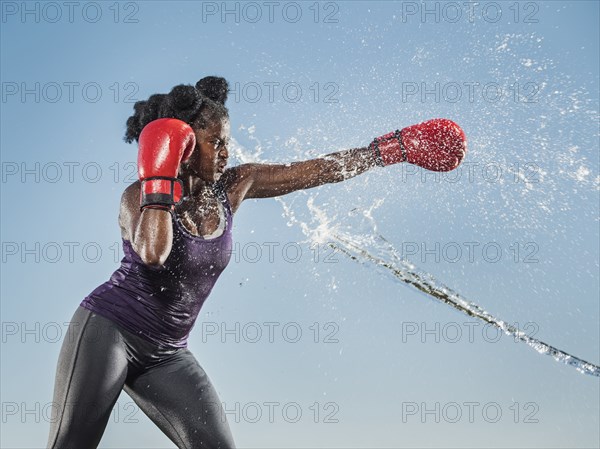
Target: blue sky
[(307, 79)]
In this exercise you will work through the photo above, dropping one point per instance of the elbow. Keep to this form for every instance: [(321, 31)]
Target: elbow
[(152, 258), (153, 262)]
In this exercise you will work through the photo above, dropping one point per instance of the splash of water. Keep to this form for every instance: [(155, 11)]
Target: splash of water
[(374, 249), (435, 289), (538, 140), (402, 270)]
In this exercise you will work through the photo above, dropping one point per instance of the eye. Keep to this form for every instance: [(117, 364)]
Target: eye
[(220, 143)]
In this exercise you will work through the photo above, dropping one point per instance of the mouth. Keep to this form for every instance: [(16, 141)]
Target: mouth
[(221, 167)]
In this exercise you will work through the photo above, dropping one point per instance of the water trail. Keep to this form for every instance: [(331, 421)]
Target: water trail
[(388, 260), (427, 284), (373, 248), (540, 142)]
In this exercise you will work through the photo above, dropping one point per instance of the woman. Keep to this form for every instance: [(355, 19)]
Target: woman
[(176, 221)]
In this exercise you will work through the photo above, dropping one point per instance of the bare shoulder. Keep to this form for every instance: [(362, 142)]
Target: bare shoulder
[(236, 182), (129, 210), (132, 191)]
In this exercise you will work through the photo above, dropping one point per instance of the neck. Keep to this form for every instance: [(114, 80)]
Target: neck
[(193, 186)]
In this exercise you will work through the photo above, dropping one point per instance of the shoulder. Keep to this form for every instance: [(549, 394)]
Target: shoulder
[(129, 209), (235, 175), (235, 182), (131, 196)]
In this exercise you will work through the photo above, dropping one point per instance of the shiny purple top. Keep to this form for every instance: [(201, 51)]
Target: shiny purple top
[(161, 304)]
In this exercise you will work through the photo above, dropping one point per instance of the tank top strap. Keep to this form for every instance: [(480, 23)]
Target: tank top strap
[(222, 195)]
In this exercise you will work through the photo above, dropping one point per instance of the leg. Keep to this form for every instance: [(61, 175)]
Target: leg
[(179, 397), (91, 371)]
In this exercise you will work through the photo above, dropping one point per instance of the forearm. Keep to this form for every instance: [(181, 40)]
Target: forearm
[(153, 237), (269, 180), (346, 164), (437, 144)]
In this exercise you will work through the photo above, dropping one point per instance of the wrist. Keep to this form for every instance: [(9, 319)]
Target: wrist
[(388, 149), (160, 192), (157, 207)]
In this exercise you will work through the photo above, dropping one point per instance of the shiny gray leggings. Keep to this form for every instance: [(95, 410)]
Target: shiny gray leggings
[(99, 358)]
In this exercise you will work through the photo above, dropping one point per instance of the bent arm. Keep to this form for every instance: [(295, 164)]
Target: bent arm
[(269, 180), (150, 231)]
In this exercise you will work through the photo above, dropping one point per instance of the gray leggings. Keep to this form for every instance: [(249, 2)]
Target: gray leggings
[(99, 358)]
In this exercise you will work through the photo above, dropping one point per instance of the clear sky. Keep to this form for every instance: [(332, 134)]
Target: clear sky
[(306, 347)]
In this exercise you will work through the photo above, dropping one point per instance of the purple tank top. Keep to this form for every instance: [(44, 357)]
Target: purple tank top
[(161, 304)]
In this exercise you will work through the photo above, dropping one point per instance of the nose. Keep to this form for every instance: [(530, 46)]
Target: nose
[(224, 153)]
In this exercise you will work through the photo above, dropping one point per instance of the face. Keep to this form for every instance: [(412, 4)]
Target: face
[(209, 158)]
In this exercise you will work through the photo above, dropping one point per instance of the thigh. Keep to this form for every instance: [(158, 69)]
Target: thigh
[(181, 400), (91, 371)]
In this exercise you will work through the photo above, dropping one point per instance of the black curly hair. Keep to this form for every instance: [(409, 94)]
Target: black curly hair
[(199, 106)]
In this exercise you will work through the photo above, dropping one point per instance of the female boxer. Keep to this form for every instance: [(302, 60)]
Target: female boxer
[(131, 332)]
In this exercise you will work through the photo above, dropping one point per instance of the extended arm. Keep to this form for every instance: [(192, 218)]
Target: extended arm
[(268, 180), (438, 145)]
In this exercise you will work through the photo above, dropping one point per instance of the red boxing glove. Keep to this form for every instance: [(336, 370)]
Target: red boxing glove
[(437, 145), (163, 145)]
